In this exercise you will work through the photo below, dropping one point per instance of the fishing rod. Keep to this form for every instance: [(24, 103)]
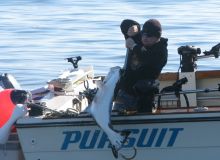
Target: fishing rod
[(206, 90), (176, 89)]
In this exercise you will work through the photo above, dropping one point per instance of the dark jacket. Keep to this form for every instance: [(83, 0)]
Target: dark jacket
[(151, 61)]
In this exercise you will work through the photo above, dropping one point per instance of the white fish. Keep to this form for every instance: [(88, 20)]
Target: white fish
[(101, 108)]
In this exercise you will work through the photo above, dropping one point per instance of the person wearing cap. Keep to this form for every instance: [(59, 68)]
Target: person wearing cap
[(130, 29), (140, 80)]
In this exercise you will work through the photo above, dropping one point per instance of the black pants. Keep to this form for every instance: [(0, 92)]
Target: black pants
[(145, 90), (145, 103)]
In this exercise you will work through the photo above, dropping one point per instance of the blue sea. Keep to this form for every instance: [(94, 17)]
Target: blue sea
[(37, 35)]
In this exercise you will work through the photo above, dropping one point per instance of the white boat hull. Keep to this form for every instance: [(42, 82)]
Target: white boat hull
[(172, 133), (178, 136)]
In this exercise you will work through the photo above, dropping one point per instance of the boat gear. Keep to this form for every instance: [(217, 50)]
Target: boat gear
[(214, 51), (74, 61), (170, 91), (35, 109), (61, 84), (41, 109), (89, 94), (206, 90), (190, 54), (175, 88), (8, 81)]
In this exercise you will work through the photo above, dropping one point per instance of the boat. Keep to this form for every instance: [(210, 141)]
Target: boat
[(58, 96), (185, 123)]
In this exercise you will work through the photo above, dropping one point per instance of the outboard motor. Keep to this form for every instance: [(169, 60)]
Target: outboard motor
[(8, 81)]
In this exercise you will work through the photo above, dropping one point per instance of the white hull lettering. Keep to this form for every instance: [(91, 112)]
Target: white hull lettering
[(145, 138)]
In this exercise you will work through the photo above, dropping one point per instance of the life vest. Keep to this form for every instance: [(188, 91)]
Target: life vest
[(6, 106)]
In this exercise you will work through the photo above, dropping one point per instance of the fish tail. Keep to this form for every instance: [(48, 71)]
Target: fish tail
[(116, 139), (119, 144)]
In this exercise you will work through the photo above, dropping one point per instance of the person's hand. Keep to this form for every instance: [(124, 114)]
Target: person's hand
[(130, 43), (132, 31)]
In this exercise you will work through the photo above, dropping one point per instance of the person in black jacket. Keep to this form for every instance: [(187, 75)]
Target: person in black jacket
[(147, 61)]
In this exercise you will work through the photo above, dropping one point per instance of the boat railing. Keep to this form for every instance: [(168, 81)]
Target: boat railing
[(172, 99)]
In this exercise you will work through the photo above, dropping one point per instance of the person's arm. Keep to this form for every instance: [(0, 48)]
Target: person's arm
[(130, 43), (134, 47)]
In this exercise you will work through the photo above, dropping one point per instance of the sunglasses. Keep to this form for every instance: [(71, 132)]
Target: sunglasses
[(147, 35)]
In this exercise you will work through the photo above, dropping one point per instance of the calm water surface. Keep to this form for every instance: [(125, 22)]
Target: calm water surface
[(36, 35)]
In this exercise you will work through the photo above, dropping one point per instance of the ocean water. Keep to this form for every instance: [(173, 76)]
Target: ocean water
[(37, 35)]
